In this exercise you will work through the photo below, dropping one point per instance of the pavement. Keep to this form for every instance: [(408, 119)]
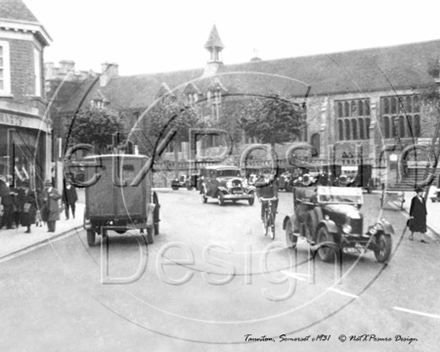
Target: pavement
[(433, 209), (15, 241)]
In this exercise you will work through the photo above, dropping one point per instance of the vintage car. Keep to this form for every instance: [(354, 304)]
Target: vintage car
[(179, 182), (332, 215), (225, 183)]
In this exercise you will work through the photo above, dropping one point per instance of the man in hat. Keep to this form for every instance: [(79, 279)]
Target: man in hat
[(267, 187), (417, 213), (69, 198), (50, 197), (6, 202)]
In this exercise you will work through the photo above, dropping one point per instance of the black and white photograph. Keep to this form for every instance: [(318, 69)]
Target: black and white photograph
[(219, 176)]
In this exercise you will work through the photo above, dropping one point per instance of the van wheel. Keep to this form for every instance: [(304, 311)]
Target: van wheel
[(91, 236), (150, 235)]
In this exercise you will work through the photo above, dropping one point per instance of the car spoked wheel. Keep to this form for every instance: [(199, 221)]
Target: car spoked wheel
[(325, 253), (384, 246), (204, 198), (221, 199), (291, 239)]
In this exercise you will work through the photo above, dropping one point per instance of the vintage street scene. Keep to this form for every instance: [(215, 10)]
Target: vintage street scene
[(287, 203)]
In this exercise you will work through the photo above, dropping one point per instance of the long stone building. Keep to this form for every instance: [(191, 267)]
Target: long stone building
[(362, 106)]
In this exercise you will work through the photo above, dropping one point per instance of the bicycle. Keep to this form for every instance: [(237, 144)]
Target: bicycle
[(269, 217)]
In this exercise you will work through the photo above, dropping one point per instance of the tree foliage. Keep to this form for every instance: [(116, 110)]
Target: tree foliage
[(161, 117), (96, 127), (273, 119)]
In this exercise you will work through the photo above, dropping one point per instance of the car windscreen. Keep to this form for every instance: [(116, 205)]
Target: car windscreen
[(340, 195), (228, 173)]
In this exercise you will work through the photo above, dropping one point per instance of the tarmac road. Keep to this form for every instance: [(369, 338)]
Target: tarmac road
[(211, 279)]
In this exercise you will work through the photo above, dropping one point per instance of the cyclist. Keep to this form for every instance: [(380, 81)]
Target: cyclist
[(267, 187)]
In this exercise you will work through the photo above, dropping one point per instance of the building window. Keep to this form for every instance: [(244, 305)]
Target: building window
[(351, 116), (341, 129), (37, 68), (5, 83), (315, 144), (404, 125)]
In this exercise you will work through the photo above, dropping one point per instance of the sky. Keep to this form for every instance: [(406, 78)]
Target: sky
[(147, 36)]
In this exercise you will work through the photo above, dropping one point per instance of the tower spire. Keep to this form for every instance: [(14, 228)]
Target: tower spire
[(214, 45)]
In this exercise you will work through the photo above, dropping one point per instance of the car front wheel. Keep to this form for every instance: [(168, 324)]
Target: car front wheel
[(251, 201), (384, 246), (326, 253), (221, 200), (291, 239)]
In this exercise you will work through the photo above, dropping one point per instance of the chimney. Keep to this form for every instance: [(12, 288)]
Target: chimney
[(109, 70), (67, 66), (49, 70)]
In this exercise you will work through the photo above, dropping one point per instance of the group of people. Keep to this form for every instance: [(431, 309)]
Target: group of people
[(22, 206)]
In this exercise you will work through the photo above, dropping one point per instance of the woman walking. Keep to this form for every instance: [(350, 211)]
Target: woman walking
[(417, 213), (27, 206)]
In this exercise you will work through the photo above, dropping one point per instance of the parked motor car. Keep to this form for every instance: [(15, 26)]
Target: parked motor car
[(179, 182), (225, 183), (333, 215), (285, 181)]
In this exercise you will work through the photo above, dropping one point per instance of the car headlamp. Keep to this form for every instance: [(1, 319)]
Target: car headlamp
[(229, 184), (346, 228), (373, 230)]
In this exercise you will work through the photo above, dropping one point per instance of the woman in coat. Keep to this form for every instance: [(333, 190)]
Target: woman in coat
[(417, 213), (51, 209), (27, 206)]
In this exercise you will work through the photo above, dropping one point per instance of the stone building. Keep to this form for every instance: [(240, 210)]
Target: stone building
[(361, 105), (25, 127)]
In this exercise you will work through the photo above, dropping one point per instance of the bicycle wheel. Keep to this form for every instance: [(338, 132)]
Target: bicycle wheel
[(265, 223), (271, 225)]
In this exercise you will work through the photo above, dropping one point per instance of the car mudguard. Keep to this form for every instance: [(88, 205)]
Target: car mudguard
[(385, 227), (294, 221)]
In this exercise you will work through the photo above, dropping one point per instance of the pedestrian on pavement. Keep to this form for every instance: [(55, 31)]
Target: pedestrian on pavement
[(6, 202), (69, 198), (417, 213), (51, 208), (27, 205)]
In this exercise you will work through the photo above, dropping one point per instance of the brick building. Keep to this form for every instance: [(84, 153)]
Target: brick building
[(360, 105), (25, 127)]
